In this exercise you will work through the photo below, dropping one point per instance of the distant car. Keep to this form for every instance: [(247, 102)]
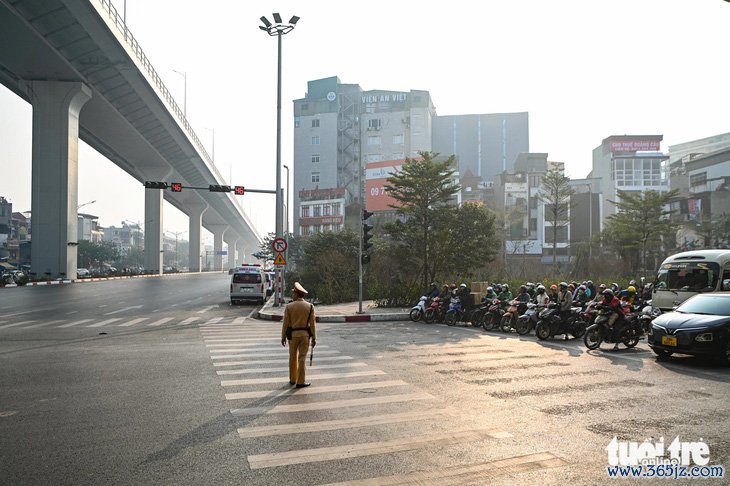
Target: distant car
[(248, 282), (82, 272), (700, 326)]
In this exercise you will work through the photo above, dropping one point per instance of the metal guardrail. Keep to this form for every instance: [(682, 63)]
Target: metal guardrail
[(118, 21)]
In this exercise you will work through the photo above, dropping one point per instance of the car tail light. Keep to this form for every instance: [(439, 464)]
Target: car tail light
[(704, 337), (231, 287)]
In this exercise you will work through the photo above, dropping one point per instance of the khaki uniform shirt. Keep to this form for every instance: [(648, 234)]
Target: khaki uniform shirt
[(295, 314)]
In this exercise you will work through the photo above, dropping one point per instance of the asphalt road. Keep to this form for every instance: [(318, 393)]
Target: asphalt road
[(162, 381)]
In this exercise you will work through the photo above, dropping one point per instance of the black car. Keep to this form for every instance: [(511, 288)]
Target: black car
[(700, 326)]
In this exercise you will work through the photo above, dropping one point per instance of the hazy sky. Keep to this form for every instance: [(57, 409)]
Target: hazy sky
[(583, 70)]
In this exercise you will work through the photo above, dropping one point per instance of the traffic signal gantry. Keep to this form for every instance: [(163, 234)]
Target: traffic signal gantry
[(178, 187), (366, 236)]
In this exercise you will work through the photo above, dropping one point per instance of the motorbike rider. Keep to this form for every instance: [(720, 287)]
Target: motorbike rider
[(565, 302), (490, 296), (542, 299), (590, 290), (505, 295), (629, 295), (530, 289), (581, 296), (553, 293), (464, 295), (611, 301), (433, 291)]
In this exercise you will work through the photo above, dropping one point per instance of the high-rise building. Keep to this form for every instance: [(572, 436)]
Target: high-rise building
[(343, 133)]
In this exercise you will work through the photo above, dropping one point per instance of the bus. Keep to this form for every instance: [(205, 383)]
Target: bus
[(689, 273)]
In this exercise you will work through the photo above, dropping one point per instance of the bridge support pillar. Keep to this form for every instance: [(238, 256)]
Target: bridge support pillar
[(242, 257), (195, 213), (55, 161), (232, 241), (218, 231), (153, 237)]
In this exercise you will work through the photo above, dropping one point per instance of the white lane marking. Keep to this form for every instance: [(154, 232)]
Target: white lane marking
[(125, 309), (213, 321), (104, 323), (161, 321), (282, 352), (479, 473), (276, 370), (75, 323), (332, 404), (237, 341), (45, 324), (275, 361), (284, 379), (371, 420), (16, 324), (314, 390), (188, 321), (320, 454), (72, 312), (254, 349), (133, 322), (206, 309)]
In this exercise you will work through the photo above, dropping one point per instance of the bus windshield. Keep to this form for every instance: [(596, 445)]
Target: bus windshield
[(688, 277)]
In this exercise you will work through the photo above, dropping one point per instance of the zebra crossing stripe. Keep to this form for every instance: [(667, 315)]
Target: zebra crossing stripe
[(283, 379), (468, 473), (254, 349), (282, 354), (314, 390), (275, 361), (16, 324), (104, 323), (226, 337), (45, 324), (75, 323), (213, 321), (161, 321), (234, 341), (275, 370), (188, 321), (133, 322), (303, 456), (332, 404)]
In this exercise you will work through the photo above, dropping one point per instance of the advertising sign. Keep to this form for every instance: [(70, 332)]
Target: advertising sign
[(376, 177), (635, 145)]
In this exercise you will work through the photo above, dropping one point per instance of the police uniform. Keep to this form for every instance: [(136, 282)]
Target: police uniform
[(298, 314)]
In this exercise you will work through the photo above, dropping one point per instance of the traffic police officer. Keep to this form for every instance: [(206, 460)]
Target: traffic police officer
[(299, 316)]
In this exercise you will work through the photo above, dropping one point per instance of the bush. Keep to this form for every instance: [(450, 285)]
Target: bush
[(394, 294)]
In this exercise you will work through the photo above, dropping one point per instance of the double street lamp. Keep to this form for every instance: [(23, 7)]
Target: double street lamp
[(278, 29)]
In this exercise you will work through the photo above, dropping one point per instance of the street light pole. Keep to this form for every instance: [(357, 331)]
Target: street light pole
[(278, 29), (184, 74), (286, 252)]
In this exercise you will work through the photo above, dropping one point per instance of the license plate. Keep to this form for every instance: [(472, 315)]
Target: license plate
[(669, 340), (246, 290)]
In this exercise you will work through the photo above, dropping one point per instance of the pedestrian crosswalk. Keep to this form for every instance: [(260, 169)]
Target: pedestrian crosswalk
[(104, 321), (370, 413)]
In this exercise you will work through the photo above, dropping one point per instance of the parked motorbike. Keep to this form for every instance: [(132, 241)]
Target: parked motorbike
[(419, 309), (455, 312), (629, 330), (551, 323), (648, 314), (527, 321), (435, 311), (17, 277), (493, 316), (509, 318)]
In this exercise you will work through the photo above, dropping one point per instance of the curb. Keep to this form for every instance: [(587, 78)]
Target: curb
[(397, 316)]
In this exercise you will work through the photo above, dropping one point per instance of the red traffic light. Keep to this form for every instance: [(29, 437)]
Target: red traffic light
[(176, 187), (239, 190)]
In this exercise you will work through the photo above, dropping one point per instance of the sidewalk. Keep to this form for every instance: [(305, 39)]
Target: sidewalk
[(346, 312)]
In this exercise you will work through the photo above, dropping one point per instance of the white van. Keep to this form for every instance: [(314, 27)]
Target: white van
[(689, 273), (248, 282)]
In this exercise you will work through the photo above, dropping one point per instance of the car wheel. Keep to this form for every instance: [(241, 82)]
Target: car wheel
[(724, 359)]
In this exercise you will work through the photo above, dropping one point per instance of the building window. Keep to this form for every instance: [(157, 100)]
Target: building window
[(315, 123), (398, 156), (315, 176), (698, 179), (305, 211), (398, 139), (315, 159), (316, 211), (374, 124), (373, 157), (374, 140), (315, 140), (297, 121)]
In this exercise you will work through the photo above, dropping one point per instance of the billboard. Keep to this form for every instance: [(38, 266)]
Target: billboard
[(635, 145), (376, 177)]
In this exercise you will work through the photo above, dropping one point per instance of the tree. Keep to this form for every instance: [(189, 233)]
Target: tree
[(95, 254), (555, 194), (422, 189), (329, 266), (642, 219)]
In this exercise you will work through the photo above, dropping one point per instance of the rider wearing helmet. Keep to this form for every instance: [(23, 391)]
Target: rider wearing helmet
[(530, 289), (629, 295), (553, 293), (491, 295), (541, 296), (590, 289), (433, 291), (611, 301), (505, 295), (464, 294), (565, 300), (523, 296)]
